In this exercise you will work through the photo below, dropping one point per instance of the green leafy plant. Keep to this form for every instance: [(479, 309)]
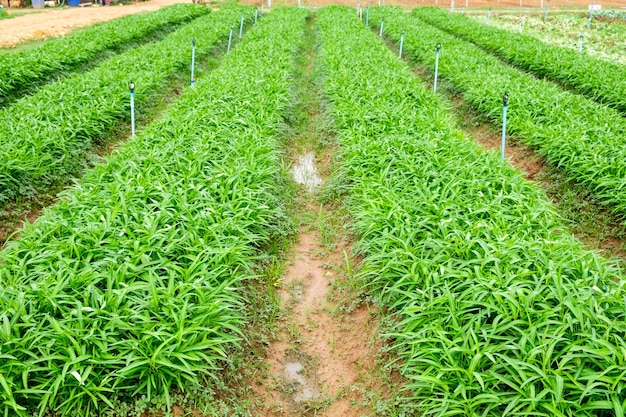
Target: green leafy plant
[(495, 309), (597, 79), (26, 69), (58, 125), (582, 138), (132, 284)]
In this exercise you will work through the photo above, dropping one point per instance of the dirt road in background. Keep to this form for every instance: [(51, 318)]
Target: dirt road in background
[(58, 22)]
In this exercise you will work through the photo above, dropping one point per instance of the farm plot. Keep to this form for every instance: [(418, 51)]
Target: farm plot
[(612, 16), (41, 148), (603, 40), (496, 310), (599, 80), (132, 284), (25, 70), (582, 138)]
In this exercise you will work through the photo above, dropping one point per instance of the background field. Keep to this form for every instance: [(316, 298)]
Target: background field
[(446, 3)]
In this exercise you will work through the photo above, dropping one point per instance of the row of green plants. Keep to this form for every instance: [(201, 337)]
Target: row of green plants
[(602, 39), (24, 70), (46, 137), (583, 138), (133, 284), (612, 14), (495, 309), (597, 79)]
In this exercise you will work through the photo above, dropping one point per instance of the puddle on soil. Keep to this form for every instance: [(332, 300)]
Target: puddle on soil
[(305, 173), (293, 373), (299, 292)]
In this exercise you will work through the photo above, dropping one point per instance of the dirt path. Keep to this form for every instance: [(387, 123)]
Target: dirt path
[(322, 362), (59, 22)]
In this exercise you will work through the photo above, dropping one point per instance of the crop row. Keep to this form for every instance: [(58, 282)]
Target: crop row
[(45, 137), (583, 138), (612, 14), (22, 70), (597, 79), (496, 311), (132, 283)]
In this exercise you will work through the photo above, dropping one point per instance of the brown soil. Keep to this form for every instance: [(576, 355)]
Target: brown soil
[(613, 20), (330, 343), (322, 362), (519, 155), (59, 22), (11, 230)]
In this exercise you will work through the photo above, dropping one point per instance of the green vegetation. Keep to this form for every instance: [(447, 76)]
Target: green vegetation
[(582, 138), (598, 228), (603, 40), (132, 284), (57, 126), (4, 14), (612, 14), (496, 310), (26, 69), (599, 80), (146, 284)]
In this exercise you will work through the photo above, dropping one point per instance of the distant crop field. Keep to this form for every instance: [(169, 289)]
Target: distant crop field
[(446, 3), (603, 38)]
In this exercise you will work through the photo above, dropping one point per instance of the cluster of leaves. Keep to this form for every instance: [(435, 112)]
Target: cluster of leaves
[(597, 79), (45, 137), (131, 284), (4, 14), (24, 69), (583, 138), (496, 310)]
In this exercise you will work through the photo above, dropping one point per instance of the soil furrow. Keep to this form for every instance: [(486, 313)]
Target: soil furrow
[(322, 361)]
